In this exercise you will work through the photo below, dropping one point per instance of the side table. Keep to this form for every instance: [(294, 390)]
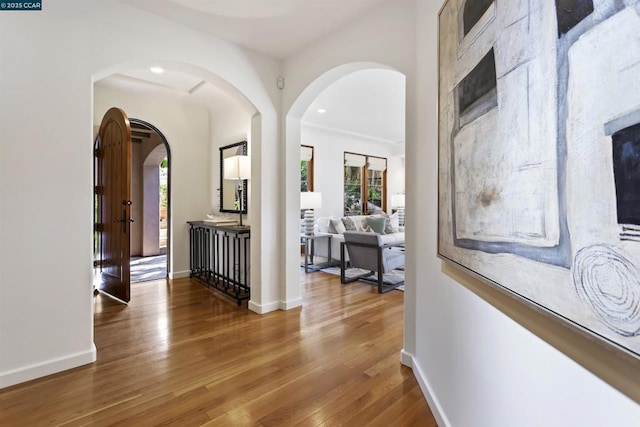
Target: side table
[(309, 251)]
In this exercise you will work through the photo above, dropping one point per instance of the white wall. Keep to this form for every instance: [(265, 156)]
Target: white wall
[(381, 39), (328, 162), (186, 128), (229, 124), (481, 357), (46, 84), (484, 358)]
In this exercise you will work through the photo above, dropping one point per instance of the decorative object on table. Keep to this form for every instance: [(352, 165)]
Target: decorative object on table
[(397, 201), (539, 141), (220, 220), (309, 200), (228, 189), (238, 168)]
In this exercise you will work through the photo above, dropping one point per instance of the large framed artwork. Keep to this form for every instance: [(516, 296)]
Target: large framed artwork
[(539, 155)]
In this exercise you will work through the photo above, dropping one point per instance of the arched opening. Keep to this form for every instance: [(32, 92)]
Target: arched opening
[(203, 115), (302, 129), (151, 195), (199, 114)]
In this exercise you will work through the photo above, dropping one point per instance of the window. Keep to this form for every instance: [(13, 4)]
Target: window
[(365, 184), (306, 168)]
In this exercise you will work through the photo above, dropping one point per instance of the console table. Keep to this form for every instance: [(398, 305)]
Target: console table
[(219, 257)]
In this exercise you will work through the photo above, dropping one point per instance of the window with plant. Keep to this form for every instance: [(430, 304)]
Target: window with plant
[(306, 168), (364, 184)]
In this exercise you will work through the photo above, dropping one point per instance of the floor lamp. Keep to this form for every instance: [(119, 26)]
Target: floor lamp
[(397, 201), (309, 201), (238, 168)]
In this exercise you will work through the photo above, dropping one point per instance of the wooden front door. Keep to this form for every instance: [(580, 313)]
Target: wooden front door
[(113, 189)]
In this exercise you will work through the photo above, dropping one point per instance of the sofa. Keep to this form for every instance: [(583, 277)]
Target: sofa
[(394, 234)]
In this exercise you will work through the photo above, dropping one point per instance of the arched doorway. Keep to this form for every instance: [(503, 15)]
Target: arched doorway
[(151, 194), (294, 124)]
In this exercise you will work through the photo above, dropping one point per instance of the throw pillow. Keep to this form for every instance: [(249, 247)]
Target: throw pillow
[(387, 224), (349, 225), (377, 223), (395, 222), (361, 225), (360, 228), (323, 224), (338, 226), (331, 228)]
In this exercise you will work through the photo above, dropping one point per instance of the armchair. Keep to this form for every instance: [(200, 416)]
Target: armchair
[(367, 251)]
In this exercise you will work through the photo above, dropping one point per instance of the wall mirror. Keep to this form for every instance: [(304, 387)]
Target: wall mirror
[(229, 201)]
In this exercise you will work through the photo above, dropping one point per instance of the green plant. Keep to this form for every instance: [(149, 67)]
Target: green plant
[(304, 176)]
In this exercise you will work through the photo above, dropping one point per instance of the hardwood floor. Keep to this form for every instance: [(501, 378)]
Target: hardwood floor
[(180, 355)]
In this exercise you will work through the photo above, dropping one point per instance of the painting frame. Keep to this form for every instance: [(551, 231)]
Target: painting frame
[(231, 195), (557, 252)]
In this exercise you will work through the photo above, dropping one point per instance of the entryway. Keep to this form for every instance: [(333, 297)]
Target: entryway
[(139, 170), (150, 169)]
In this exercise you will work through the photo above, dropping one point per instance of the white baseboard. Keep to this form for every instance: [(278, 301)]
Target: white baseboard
[(288, 305), (406, 358), (427, 390), (179, 274), (273, 306), (263, 308), (53, 366)]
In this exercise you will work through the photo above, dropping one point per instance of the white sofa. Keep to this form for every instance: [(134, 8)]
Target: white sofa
[(323, 226)]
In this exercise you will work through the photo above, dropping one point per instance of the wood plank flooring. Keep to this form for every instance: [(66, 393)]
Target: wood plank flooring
[(180, 355)]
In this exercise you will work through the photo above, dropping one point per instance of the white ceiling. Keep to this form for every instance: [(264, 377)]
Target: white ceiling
[(277, 28), (176, 86), (369, 102)]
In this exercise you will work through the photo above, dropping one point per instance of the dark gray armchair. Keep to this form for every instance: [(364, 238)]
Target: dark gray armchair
[(366, 251)]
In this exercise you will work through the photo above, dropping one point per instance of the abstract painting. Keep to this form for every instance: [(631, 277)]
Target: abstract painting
[(539, 155)]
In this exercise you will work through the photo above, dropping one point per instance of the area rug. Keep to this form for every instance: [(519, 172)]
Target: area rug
[(148, 268), (396, 276)]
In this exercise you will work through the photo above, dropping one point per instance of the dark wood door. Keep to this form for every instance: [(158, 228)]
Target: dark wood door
[(113, 189)]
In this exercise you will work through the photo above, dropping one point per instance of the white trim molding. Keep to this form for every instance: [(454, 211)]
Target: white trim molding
[(179, 275), (288, 305), (273, 306), (52, 366), (406, 358), (263, 308), (427, 390)]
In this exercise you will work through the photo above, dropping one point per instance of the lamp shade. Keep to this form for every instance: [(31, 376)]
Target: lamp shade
[(237, 167), (310, 200), (397, 200)]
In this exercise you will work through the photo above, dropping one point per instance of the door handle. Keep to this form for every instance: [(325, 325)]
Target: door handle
[(124, 220)]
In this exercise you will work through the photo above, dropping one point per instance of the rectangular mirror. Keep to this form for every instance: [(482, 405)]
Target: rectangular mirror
[(229, 201)]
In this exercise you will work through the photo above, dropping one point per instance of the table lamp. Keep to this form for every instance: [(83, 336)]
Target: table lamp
[(397, 201), (238, 168), (309, 200)]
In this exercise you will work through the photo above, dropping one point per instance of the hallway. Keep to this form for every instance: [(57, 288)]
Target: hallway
[(181, 355)]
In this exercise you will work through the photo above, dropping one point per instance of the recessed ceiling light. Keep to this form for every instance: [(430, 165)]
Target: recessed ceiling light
[(321, 110), (157, 70)]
